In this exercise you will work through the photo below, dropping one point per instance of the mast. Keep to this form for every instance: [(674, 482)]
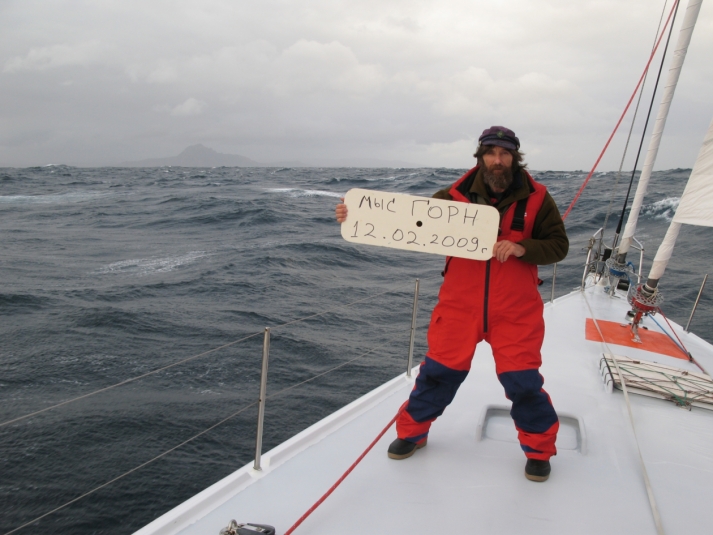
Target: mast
[(679, 55)]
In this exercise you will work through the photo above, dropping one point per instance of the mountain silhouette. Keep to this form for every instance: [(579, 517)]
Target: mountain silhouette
[(197, 156)]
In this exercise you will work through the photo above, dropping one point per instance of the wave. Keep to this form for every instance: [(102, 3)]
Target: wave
[(53, 198), (663, 209), (297, 192), (20, 303), (148, 266)]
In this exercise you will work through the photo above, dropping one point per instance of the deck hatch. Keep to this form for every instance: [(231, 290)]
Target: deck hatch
[(496, 424)]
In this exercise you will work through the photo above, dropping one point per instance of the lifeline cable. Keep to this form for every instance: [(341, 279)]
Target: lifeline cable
[(279, 392), (124, 382), (129, 472), (344, 476), (183, 361), (611, 136)]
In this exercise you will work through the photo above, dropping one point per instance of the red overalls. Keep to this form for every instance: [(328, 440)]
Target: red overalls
[(499, 303)]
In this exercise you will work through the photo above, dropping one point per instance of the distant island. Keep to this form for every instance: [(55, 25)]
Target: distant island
[(197, 156), (202, 156)]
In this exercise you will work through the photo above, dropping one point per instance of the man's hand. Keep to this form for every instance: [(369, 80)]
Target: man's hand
[(503, 250), (341, 211)]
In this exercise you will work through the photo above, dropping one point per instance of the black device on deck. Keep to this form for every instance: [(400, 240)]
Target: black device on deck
[(247, 529), (255, 529)]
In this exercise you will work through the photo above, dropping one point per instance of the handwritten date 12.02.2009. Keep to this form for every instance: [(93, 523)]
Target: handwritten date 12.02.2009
[(412, 238)]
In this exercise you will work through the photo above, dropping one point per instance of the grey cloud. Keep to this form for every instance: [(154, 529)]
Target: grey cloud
[(414, 81), (54, 56), (191, 106)]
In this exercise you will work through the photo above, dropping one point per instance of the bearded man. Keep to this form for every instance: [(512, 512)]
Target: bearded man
[(496, 301)]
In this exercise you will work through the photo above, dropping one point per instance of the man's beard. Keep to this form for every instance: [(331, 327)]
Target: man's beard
[(498, 180)]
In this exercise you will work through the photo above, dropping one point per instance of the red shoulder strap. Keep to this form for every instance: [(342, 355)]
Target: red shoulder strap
[(455, 192)]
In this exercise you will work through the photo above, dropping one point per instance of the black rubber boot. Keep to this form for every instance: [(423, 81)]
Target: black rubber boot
[(402, 449), (537, 470)]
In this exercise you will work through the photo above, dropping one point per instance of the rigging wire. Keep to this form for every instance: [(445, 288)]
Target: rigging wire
[(631, 130), (678, 345), (685, 349), (188, 359), (646, 124), (621, 118), (221, 422)]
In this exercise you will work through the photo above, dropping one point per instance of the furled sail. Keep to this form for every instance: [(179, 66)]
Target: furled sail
[(684, 39)]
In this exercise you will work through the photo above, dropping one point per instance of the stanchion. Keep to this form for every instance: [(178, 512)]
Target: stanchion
[(261, 399), (695, 305), (413, 329)]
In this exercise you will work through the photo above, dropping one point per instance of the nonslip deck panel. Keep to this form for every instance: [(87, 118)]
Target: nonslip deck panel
[(617, 334)]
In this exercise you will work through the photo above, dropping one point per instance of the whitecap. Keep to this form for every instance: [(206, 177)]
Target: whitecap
[(53, 198), (148, 266), (664, 209), (296, 192)]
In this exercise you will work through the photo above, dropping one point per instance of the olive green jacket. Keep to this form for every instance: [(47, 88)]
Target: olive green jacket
[(549, 243)]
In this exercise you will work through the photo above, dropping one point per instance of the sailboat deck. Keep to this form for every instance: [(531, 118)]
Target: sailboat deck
[(469, 479)]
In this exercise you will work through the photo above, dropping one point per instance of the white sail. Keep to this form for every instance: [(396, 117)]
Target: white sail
[(679, 55), (696, 206)]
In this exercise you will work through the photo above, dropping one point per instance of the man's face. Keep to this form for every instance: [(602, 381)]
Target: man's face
[(497, 159), (498, 168)]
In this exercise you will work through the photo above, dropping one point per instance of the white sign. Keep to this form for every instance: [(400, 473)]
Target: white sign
[(422, 224)]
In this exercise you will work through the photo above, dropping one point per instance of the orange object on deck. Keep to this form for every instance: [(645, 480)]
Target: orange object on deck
[(615, 333)]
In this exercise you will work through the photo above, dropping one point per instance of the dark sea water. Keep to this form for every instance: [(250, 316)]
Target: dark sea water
[(109, 273)]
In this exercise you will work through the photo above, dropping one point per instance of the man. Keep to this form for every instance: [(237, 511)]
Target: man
[(496, 301)]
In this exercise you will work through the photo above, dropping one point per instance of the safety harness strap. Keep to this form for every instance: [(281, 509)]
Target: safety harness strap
[(518, 218)]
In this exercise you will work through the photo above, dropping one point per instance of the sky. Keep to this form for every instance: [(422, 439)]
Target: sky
[(99, 82)]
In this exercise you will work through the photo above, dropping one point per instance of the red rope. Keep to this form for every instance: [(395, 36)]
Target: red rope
[(636, 89), (344, 476), (683, 347)]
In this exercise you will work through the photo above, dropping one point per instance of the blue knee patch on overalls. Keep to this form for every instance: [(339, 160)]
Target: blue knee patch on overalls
[(531, 407), (436, 386)]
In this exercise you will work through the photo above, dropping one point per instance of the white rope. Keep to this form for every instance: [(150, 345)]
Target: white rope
[(649, 489)]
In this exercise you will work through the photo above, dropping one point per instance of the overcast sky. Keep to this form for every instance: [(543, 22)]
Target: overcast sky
[(98, 82)]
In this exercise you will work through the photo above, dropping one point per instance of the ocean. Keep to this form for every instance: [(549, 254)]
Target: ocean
[(110, 273)]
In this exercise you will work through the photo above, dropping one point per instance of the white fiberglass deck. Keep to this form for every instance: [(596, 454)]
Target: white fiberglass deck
[(469, 479)]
